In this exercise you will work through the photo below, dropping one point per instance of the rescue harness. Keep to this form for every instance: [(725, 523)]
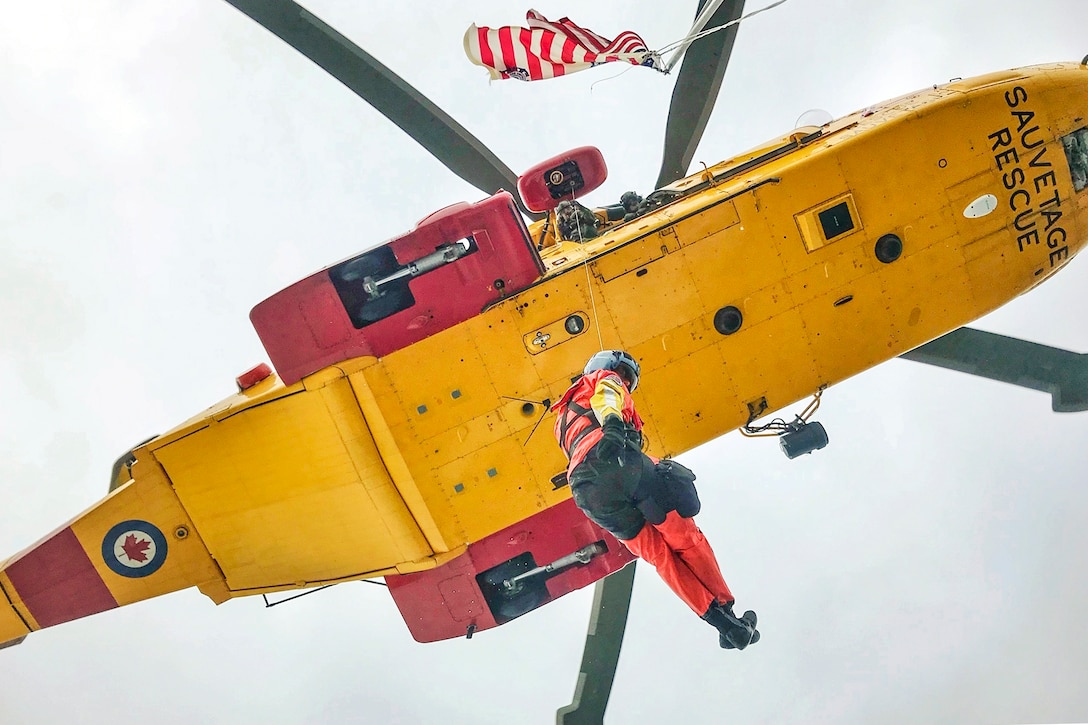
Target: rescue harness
[(568, 421)]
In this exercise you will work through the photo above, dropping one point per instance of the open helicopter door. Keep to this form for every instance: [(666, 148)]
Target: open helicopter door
[(453, 264)]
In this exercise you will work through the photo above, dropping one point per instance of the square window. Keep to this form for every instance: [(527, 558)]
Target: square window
[(829, 221), (836, 220)]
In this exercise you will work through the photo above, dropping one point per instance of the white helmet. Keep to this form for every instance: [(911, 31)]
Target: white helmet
[(617, 361)]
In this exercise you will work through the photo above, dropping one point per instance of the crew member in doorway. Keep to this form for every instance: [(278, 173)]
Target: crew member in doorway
[(575, 222), (645, 503)]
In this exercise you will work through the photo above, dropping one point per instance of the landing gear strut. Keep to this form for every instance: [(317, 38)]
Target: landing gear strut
[(518, 585)]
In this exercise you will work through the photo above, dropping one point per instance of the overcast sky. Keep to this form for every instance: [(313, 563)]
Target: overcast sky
[(166, 166)]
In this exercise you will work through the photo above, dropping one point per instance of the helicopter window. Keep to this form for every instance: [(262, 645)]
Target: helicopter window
[(836, 221), (1076, 153), (828, 221)]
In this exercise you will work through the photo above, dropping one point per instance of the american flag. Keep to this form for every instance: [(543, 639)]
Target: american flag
[(548, 49)]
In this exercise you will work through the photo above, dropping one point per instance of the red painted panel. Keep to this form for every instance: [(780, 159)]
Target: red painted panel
[(442, 603), (431, 613), (57, 581), (533, 184), (306, 327)]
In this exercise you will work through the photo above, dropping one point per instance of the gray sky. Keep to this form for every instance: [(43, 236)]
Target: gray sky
[(166, 166)]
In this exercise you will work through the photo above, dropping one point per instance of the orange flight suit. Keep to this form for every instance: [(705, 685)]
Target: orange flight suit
[(606, 491)]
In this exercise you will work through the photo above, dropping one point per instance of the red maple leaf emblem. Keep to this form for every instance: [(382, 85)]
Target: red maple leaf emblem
[(136, 549)]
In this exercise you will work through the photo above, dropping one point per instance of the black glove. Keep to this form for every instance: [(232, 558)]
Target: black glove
[(615, 437)]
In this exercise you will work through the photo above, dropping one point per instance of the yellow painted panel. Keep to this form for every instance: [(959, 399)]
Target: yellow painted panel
[(989, 79), (469, 463), (847, 328), (635, 254), (283, 493), (11, 624), (147, 498), (809, 182), (994, 267), (930, 293), (492, 488), (772, 360), (380, 386), (729, 265), (689, 404), (373, 470), (652, 301), (392, 456), (763, 304), (437, 382), (557, 299), (471, 435), (268, 389), (832, 268), (712, 221), (657, 354), (1063, 103), (546, 461), (434, 495), (962, 193)]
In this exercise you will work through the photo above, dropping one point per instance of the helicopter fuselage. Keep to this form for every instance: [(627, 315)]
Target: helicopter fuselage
[(401, 442)]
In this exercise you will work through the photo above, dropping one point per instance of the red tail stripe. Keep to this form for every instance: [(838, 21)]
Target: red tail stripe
[(57, 581)]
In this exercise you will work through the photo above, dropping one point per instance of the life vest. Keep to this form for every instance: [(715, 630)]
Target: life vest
[(576, 425)]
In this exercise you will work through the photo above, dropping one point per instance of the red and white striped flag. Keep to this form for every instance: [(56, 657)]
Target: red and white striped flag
[(548, 49)]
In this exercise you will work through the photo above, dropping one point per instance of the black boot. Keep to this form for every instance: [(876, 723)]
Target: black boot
[(733, 632), (750, 617)]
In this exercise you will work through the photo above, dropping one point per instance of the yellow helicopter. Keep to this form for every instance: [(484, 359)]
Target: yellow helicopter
[(229, 536)]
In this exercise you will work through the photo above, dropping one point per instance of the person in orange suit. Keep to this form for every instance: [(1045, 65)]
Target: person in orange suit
[(647, 504)]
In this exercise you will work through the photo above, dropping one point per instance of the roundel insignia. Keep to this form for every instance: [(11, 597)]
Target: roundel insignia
[(134, 549)]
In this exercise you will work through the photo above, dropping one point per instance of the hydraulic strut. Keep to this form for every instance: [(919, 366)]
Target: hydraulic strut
[(582, 556), (440, 257)]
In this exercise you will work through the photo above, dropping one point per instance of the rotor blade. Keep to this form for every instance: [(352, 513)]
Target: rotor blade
[(696, 90), (1061, 373), (611, 601), (448, 141)]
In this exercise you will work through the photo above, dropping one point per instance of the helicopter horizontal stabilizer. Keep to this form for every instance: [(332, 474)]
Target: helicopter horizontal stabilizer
[(13, 629), (135, 544), (12, 643)]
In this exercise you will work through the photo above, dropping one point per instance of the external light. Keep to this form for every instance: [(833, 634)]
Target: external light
[(802, 438)]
